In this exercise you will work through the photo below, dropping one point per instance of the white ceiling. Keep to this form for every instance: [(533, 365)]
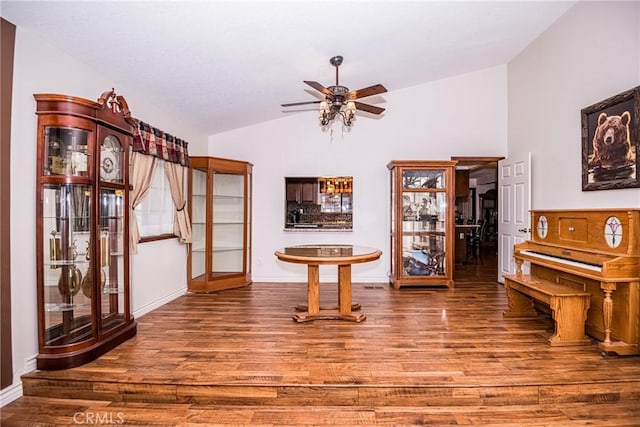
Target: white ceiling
[(222, 65)]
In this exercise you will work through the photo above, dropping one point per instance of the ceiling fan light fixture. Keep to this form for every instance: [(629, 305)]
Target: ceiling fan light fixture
[(349, 114), (324, 113), (339, 101)]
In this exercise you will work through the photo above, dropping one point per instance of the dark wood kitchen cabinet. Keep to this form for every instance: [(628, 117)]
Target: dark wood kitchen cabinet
[(302, 191), (294, 192), (310, 192), (462, 184)]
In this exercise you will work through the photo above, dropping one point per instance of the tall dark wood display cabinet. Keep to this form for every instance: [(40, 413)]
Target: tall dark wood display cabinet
[(82, 228), (220, 209), (422, 222)]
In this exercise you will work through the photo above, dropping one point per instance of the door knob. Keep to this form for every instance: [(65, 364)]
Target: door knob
[(524, 230)]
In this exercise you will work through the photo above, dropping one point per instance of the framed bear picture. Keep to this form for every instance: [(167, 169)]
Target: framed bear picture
[(610, 145)]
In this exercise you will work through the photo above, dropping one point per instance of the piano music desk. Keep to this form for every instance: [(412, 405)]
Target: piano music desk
[(568, 305)]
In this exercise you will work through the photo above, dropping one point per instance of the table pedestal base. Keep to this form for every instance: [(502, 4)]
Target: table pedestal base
[(328, 315), (313, 310), (314, 256)]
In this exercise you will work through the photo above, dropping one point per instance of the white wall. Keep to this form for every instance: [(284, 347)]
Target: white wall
[(40, 68), (463, 115), (591, 53)]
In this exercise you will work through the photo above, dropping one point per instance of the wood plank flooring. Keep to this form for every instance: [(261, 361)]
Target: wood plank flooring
[(423, 356)]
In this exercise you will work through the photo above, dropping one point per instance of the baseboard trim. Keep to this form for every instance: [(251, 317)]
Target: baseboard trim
[(158, 303), (330, 279)]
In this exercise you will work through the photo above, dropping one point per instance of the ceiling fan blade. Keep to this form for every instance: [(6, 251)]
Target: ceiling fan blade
[(368, 108), (317, 86), (291, 104), (367, 91)]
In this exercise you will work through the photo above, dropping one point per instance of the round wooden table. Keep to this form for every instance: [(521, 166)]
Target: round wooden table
[(341, 255)]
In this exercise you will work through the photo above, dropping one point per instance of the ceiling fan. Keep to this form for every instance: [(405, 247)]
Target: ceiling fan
[(339, 100)]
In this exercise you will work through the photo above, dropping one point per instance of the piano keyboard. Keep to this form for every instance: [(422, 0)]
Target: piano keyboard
[(592, 267)]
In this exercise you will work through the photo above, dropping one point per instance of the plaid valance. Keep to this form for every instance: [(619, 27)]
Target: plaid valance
[(154, 142)]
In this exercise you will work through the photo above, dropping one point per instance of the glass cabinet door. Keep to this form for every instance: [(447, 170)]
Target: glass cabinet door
[(393, 270), (198, 223), (67, 235), (424, 222), (248, 227), (227, 254), (111, 258), (66, 151)]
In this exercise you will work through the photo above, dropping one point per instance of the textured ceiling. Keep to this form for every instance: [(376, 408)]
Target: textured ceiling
[(222, 65)]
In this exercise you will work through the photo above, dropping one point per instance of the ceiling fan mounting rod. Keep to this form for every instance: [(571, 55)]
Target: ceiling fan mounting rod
[(336, 61)]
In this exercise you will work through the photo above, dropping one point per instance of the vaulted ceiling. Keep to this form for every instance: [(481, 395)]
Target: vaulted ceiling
[(222, 65)]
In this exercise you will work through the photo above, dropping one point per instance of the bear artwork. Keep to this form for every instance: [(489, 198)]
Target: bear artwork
[(613, 156)]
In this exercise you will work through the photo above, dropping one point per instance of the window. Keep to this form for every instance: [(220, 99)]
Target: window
[(156, 212)]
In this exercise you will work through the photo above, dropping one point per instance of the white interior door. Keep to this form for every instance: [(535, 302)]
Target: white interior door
[(514, 203)]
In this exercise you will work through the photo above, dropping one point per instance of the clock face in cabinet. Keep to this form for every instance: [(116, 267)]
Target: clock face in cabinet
[(542, 227), (110, 159), (613, 232)]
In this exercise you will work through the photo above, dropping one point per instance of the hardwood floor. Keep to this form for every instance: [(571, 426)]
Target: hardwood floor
[(423, 356)]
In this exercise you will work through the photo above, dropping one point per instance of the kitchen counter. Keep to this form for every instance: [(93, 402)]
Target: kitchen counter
[(318, 227)]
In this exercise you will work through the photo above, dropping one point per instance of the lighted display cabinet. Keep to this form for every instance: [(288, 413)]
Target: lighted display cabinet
[(220, 209), (82, 228), (422, 223)]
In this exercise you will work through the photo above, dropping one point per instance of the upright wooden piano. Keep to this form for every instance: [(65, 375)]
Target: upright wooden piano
[(597, 251)]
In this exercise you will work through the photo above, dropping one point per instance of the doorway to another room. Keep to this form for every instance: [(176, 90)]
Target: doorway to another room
[(476, 217)]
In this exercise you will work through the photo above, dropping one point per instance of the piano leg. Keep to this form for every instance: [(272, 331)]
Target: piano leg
[(607, 309)]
